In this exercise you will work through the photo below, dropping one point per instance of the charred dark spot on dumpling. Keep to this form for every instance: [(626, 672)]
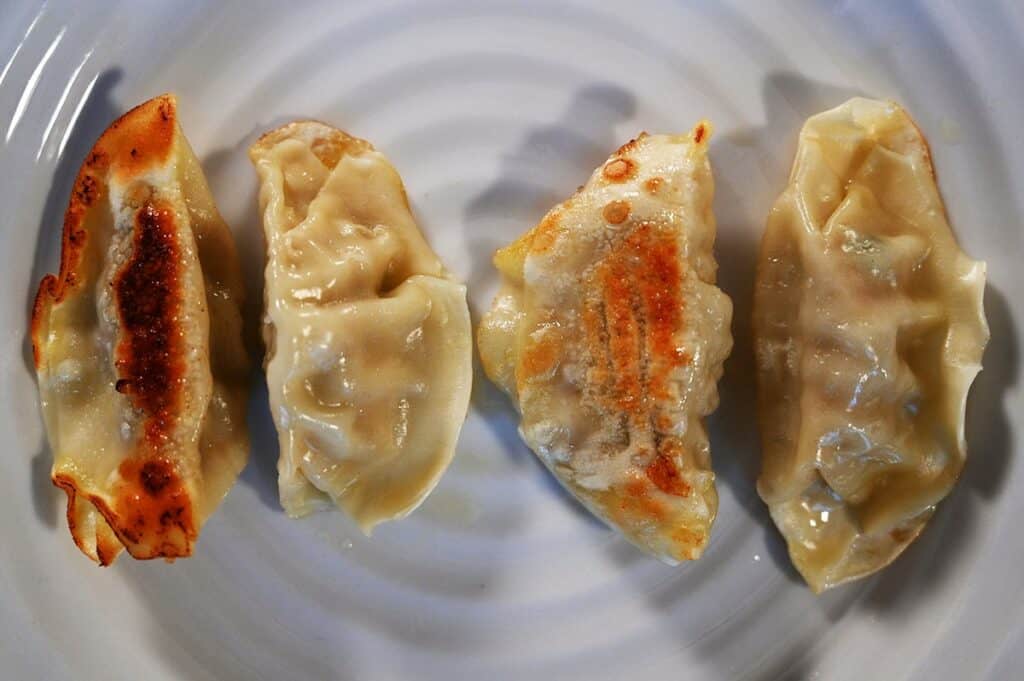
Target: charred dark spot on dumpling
[(153, 512), (148, 297), (76, 237), (619, 170), (87, 190), (96, 159), (155, 476), (700, 133), (616, 212)]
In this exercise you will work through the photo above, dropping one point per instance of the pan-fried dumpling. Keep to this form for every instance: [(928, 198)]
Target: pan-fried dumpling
[(369, 350), (138, 345), (869, 330), (609, 334)]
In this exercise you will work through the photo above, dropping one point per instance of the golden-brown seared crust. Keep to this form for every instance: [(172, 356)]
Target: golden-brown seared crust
[(138, 140), (152, 510), (147, 289), (153, 513), (634, 310), (599, 297), (633, 313)]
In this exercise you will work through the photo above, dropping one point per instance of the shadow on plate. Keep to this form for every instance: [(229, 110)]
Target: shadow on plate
[(261, 471), (789, 99)]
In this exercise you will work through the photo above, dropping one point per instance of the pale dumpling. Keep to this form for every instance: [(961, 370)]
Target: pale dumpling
[(143, 375), (610, 334), (369, 346), (869, 331)]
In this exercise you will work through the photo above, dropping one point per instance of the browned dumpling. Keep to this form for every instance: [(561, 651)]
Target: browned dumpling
[(869, 330), (609, 334), (138, 345)]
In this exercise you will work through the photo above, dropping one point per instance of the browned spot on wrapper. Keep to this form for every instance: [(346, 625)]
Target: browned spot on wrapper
[(619, 170), (149, 356), (153, 509), (665, 476), (653, 184), (616, 212)]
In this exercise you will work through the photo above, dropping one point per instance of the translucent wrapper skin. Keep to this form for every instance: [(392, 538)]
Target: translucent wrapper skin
[(609, 334), (143, 375), (869, 330), (369, 345)]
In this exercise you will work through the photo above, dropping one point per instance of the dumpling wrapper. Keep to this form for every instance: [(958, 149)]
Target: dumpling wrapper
[(609, 334), (138, 345), (869, 331), (369, 346)]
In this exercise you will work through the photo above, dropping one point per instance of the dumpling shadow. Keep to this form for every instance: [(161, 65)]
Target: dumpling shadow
[(261, 472), (46, 498), (248, 230), (545, 167), (98, 111), (988, 432)]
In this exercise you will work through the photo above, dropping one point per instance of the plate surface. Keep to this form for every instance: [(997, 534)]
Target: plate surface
[(492, 112)]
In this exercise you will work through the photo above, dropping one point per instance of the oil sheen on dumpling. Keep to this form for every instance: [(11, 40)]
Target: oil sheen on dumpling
[(609, 334), (138, 345), (369, 350), (869, 330)]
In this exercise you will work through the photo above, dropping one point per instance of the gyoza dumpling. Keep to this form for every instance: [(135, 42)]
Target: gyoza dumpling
[(369, 345), (609, 334), (869, 330), (138, 345)]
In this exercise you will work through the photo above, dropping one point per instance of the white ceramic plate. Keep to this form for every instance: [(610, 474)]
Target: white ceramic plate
[(492, 113)]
